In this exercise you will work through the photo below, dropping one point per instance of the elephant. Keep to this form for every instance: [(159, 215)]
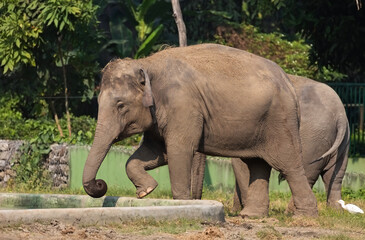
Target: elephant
[(205, 98), (325, 137), (324, 132)]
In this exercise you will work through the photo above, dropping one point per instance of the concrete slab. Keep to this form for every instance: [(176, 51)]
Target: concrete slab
[(82, 209)]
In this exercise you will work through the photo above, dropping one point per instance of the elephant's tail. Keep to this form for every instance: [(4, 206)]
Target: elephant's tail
[(343, 130)]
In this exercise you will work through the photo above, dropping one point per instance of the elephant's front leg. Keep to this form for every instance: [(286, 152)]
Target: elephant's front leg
[(148, 156), (180, 162), (182, 140)]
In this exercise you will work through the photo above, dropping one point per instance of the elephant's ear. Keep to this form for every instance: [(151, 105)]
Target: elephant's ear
[(147, 94)]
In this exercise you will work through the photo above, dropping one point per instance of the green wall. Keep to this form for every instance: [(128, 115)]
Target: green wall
[(218, 173)]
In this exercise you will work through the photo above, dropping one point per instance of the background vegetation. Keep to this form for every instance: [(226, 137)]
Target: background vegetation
[(52, 51)]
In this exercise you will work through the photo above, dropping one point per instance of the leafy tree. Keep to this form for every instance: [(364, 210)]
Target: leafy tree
[(335, 30), (203, 17), (134, 26), (44, 45), (292, 56)]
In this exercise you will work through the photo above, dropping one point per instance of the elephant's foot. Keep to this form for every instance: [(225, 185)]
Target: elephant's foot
[(291, 209), (142, 191), (254, 213), (334, 205), (309, 212)]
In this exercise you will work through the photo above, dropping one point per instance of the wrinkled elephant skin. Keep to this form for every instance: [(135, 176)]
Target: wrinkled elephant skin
[(324, 133), (207, 98)]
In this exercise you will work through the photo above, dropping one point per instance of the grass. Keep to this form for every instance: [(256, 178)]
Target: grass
[(269, 233), (328, 218), (342, 222)]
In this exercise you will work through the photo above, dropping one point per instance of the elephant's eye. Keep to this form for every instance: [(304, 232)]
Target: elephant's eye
[(120, 105)]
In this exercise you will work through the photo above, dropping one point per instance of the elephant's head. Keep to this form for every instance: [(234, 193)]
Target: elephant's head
[(124, 101)]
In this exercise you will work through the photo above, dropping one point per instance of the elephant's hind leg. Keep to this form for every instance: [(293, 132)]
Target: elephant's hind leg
[(197, 175), (332, 178), (288, 161), (242, 175)]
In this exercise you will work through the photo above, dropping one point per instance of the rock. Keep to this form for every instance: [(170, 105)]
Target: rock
[(2, 164), (64, 179), (64, 159), (6, 178), (65, 169), (53, 168), (54, 147), (5, 155), (57, 162), (4, 146), (10, 172), (52, 161)]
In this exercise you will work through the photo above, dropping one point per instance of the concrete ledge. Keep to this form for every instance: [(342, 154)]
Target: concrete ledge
[(103, 210)]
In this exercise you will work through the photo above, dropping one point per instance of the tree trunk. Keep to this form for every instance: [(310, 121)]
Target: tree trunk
[(179, 22), (358, 4), (65, 85)]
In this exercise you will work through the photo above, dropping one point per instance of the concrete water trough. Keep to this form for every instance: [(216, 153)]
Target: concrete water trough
[(29, 208)]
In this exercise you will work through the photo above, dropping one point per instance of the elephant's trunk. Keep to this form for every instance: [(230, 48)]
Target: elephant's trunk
[(102, 142)]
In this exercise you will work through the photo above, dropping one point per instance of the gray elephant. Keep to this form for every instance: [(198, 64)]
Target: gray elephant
[(325, 136), (205, 98), (325, 143)]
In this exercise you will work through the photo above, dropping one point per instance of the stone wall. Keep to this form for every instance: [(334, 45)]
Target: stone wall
[(57, 162), (8, 152)]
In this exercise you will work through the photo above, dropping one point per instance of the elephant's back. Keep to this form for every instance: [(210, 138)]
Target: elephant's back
[(317, 95), (221, 65), (216, 58)]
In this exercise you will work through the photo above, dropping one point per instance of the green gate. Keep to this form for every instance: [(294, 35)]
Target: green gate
[(353, 98)]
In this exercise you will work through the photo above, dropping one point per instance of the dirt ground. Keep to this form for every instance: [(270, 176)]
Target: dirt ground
[(233, 228)]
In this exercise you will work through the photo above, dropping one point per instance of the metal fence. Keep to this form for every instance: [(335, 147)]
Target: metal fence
[(353, 98)]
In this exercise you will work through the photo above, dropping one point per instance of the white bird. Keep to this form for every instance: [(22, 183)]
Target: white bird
[(350, 207)]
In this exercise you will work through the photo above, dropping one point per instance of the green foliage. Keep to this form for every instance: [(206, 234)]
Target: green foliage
[(59, 13), (23, 26), (292, 56), (146, 31), (37, 39), (203, 17), (39, 135), (18, 34), (9, 115), (135, 31), (348, 194), (29, 168), (14, 126), (335, 30)]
